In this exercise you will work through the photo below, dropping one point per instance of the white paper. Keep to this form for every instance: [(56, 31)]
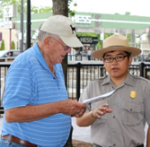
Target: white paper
[(100, 97)]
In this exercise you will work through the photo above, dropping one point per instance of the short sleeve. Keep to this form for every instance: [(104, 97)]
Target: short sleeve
[(18, 86)]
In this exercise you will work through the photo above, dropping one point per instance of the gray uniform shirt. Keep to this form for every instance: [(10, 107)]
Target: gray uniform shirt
[(124, 127)]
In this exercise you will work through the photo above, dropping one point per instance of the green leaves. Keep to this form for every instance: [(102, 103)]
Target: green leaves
[(34, 9), (71, 12), (12, 45), (2, 47)]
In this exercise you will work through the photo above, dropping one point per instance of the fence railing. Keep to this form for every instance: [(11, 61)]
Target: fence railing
[(80, 73), (84, 57)]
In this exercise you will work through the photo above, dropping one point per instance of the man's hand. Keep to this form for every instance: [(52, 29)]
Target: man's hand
[(72, 107), (35, 112)]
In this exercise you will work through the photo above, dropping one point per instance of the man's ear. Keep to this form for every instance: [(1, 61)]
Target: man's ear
[(46, 41)]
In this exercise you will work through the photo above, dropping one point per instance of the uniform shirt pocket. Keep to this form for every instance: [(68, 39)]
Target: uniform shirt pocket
[(102, 120), (131, 113)]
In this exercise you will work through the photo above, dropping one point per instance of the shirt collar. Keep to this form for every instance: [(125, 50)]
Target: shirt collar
[(129, 80), (39, 56), (106, 80)]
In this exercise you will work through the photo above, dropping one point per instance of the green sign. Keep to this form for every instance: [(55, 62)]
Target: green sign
[(88, 40)]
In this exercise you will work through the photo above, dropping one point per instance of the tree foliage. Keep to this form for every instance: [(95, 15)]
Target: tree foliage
[(71, 12), (106, 35), (34, 9), (8, 3), (87, 34), (12, 45), (2, 45), (128, 13)]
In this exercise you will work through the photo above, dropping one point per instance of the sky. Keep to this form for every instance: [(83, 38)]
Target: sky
[(135, 7)]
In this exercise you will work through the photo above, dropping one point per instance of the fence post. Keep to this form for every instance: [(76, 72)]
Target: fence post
[(142, 69), (78, 80)]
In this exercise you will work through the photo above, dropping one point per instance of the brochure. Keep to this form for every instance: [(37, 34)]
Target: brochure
[(100, 97)]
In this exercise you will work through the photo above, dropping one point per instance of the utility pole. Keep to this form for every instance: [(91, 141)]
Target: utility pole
[(21, 28), (28, 34), (10, 34)]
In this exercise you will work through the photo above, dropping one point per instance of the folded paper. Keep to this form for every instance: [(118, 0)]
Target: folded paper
[(100, 97)]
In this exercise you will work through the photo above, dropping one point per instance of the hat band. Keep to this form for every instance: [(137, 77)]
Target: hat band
[(116, 46)]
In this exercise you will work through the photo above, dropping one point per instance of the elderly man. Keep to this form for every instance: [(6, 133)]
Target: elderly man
[(118, 120), (37, 109)]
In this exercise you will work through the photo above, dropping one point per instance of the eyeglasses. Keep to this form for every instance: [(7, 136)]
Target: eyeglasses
[(65, 47), (119, 58)]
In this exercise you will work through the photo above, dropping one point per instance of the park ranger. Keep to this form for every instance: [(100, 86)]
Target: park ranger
[(118, 120)]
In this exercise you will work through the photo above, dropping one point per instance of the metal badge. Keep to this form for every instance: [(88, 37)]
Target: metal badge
[(133, 94)]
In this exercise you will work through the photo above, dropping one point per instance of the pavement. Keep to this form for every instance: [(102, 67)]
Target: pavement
[(80, 133)]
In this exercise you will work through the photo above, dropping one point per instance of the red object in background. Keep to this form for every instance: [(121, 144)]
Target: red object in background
[(148, 34), (0, 36), (147, 30)]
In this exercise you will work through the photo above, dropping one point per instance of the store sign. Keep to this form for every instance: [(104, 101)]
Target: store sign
[(9, 25), (82, 19), (10, 11), (88, 40)]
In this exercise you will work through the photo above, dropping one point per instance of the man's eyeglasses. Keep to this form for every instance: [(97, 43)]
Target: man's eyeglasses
[(118, 58), (65, 47)]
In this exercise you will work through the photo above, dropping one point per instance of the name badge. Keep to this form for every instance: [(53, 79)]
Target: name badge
[(133, 94)]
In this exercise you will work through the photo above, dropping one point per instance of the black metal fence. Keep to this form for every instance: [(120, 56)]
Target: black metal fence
[(84, 57), (80, 73)]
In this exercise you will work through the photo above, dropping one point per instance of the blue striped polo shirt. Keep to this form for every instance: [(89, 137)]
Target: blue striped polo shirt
[(30, 82)]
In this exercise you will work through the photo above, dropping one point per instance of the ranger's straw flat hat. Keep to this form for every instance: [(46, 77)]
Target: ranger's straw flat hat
[(115, 42)]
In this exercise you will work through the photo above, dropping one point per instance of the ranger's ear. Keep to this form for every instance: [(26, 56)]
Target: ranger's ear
[(130, 60)]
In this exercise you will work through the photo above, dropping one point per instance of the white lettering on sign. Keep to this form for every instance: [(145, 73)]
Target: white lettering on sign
[(8, 25), (82, 19), (87, 40)]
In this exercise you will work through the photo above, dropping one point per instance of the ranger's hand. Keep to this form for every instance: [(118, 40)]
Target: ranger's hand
[(101, 110)]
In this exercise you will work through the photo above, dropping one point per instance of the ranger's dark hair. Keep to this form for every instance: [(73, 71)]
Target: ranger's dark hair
[(128, 54)]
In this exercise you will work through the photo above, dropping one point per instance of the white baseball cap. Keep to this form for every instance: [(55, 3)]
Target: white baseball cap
[(63, 27)]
